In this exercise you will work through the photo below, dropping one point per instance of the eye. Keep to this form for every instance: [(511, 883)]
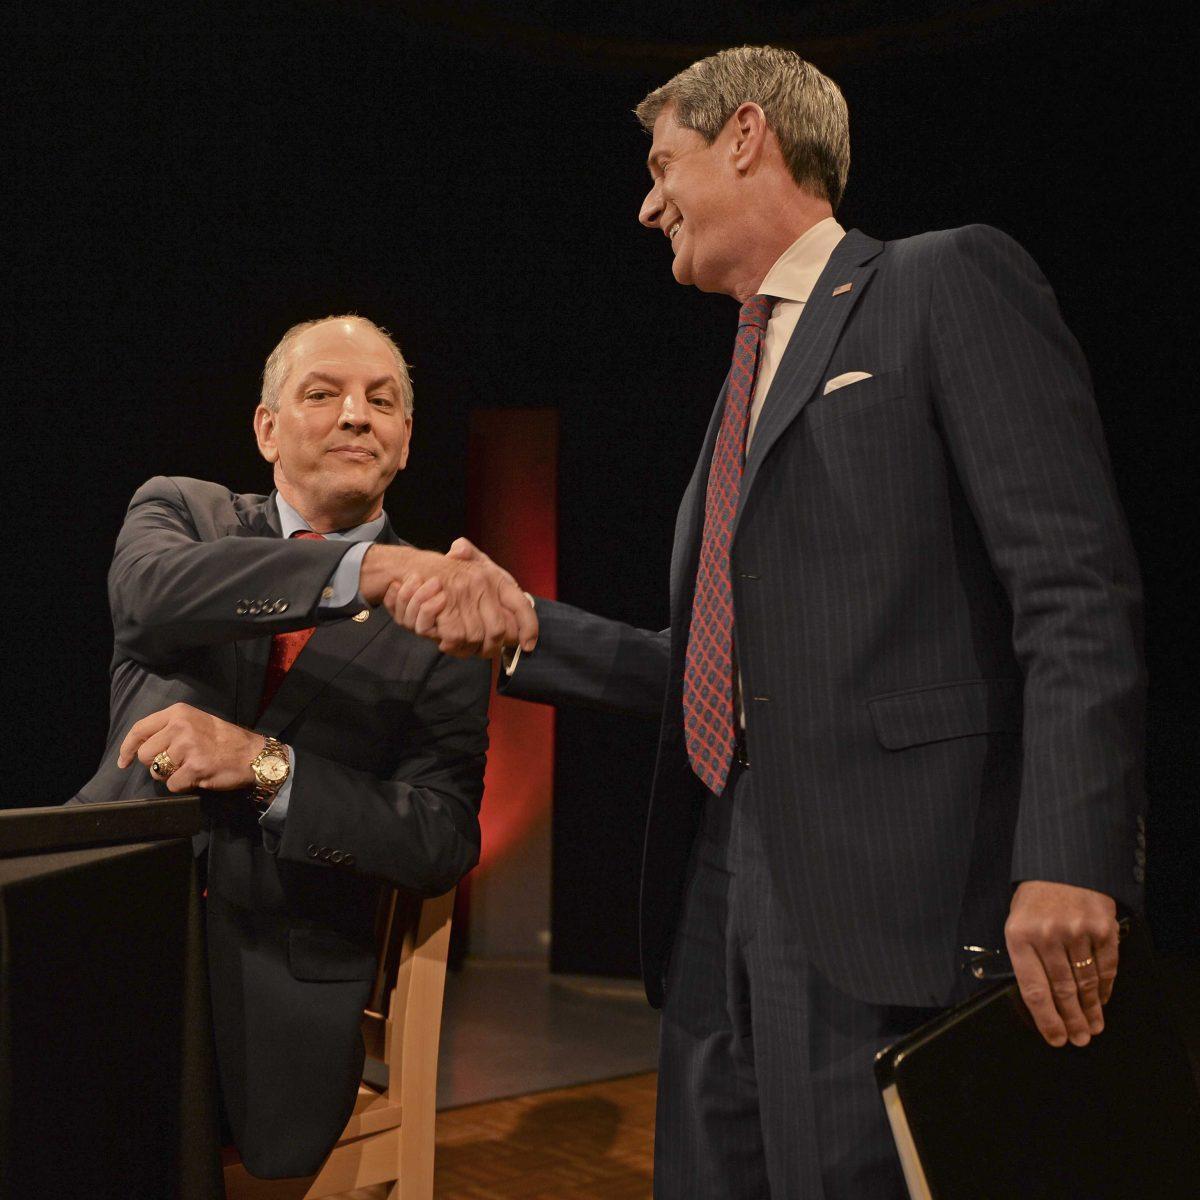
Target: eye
[(318, 395), (383, 401)]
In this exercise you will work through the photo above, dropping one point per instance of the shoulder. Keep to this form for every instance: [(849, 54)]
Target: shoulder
[(970, 241), (206, 510), (181, 491)]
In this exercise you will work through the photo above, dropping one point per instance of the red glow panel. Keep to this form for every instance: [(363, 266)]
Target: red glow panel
[(512, 515)]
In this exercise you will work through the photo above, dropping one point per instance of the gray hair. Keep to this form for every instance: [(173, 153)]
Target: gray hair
[(804, 109), (276, 368)]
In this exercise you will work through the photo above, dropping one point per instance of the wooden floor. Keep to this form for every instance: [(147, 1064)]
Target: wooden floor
[(593, 1142)]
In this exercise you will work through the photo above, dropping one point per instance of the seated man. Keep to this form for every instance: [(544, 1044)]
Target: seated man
[(345, 754)]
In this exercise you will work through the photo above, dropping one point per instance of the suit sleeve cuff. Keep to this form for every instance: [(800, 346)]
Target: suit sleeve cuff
[(340, 597)]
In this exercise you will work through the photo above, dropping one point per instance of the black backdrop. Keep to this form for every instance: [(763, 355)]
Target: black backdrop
[(188, 180)]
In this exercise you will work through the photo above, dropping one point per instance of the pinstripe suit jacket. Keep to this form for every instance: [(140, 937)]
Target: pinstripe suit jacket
[(937, 614)]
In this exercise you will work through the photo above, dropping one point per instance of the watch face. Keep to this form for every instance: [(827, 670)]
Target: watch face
[(273, 769)]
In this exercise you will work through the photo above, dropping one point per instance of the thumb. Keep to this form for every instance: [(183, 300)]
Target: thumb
[(462, 549)]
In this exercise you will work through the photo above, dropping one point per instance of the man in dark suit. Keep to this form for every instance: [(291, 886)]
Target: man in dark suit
[(901, 690), (252, 660)]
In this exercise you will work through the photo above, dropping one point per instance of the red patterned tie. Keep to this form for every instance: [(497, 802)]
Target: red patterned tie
[(285, 647), (708, 716)]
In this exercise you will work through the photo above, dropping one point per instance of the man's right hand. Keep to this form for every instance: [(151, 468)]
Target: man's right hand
[(462, 600)]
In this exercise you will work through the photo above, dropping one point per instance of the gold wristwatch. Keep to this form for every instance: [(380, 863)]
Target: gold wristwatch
[(270, 766)]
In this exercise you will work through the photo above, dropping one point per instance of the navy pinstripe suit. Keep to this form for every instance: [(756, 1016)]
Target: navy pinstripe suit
[(937, 624)]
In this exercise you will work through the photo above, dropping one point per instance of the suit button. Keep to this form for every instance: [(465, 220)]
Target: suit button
[(1139, 857), (336, 856), (1139, 875), (763, 699), (327, 593), (325, 853), (255, 608), (312, 849), (747, 575), (281, 606), (347, 860), (243, 607)]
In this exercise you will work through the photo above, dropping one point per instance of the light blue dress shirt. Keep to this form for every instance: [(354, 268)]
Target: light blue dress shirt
[(343, 600)]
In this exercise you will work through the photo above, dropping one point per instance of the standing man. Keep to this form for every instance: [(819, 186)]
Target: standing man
[(901, 692), (252, 660)]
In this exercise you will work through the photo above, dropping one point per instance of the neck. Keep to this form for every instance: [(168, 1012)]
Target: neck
[(776, 230), (328, 515)]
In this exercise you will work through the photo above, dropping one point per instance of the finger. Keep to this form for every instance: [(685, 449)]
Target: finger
[(426, 618), (472, 622), (139, 731), (404, 588), (449, 631), (1087, 982), (1065, 990), (153, 746), (1106, 948), (495, 626), (518, 604), (182, 779), (427, 592), (1035, 991)]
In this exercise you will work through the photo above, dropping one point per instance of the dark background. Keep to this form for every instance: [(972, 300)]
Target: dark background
[(189, 180)]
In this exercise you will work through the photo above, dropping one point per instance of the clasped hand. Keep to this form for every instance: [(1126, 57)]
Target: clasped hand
[(465, 602)]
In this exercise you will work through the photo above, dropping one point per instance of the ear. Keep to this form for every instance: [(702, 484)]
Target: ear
[(748, 127), (264, 433)]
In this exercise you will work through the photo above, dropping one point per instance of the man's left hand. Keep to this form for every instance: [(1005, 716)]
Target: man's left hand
[(1063, 944), (207, 752)]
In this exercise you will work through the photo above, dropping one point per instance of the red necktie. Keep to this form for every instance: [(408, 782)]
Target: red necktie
[(708, 716), (285, 647)]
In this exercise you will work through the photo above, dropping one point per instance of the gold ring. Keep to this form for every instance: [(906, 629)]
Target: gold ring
[(162, 767), (1084, 962)]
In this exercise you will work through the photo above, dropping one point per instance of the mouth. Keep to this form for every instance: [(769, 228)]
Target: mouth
[(353, 453), (675, 228)]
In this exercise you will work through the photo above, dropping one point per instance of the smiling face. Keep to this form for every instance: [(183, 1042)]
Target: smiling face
[(694, 200), (340, 432)]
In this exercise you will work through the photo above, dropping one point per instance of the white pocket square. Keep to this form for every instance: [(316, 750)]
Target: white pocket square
[(840, 381)]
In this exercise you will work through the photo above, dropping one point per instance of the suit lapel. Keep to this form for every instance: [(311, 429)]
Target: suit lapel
[(326, 654), (252, 653), (810, 348)]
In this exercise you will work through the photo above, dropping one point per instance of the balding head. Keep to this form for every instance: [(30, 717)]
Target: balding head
[(280, 360)]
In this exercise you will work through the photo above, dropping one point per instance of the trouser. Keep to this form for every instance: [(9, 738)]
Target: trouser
[(765, 1084)]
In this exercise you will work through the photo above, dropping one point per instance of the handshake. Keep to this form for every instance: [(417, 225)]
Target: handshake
[(461, 599)]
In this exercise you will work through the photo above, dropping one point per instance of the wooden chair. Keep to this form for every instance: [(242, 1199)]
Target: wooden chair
[(389, 1138)]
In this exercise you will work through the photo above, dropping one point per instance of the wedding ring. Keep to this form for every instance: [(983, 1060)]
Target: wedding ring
[(1083, 962), (162, 767)]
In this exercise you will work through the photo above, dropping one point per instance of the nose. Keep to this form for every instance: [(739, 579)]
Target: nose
[(652, 206), (355, 412)]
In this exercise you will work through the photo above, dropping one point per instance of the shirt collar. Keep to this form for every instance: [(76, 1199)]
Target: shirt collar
[(290, 522), (798, 268)]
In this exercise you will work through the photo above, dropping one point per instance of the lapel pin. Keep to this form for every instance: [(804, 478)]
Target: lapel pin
[(360, 617), (842, 288)]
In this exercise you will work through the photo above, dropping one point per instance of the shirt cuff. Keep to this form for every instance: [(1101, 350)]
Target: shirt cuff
[(275, 817), (341, 590)]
